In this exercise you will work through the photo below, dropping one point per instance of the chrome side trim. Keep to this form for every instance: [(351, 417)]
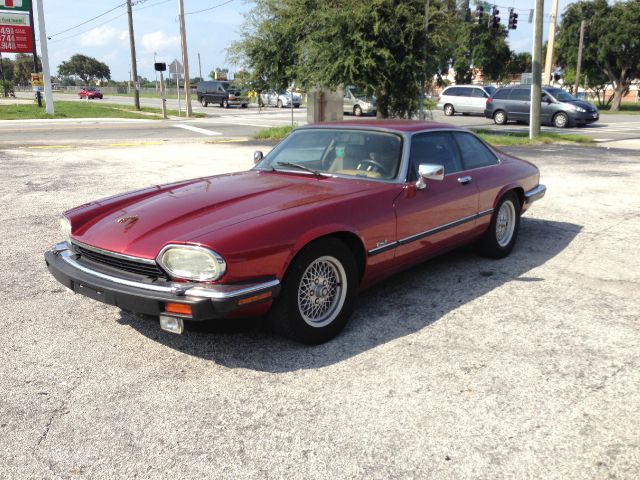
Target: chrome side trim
[(214, 292), (535, 194), (426, 233), (113, 254)]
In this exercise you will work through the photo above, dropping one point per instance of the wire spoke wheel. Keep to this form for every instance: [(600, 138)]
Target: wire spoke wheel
[(322, 291), (505, 223)]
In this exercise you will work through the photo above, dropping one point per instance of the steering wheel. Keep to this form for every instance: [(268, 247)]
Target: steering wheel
[(377, 167)]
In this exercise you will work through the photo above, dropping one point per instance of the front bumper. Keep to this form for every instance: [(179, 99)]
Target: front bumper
[(207, 301), (585, 117)]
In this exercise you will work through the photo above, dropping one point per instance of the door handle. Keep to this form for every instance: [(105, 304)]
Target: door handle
[(464, 180)]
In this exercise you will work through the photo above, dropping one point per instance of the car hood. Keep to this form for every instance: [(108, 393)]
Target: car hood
[(582, 104), (142, 226)]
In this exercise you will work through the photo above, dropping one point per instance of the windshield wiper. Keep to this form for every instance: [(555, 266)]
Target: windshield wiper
[(301, 167)]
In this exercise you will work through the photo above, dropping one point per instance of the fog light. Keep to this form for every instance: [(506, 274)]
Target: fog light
[(171, 324)]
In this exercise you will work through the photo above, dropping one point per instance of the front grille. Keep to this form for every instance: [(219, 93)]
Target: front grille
[(119, 263)]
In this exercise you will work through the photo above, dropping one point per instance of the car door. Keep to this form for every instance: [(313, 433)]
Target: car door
[(442, 214), (519, 104), (547, 108), (482, 167), (478, 100)]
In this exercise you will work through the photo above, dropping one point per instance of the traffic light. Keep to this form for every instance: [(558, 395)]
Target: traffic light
[(479, 12), (513, 19), (494, 21)]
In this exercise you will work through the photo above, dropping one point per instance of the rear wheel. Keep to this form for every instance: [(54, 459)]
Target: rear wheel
[(318, 293), (500, 237), (448, 110), (560, 120), (280, 104), (500, 117)]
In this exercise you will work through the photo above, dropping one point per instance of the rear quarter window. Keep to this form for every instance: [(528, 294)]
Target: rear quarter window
[(475, 154)]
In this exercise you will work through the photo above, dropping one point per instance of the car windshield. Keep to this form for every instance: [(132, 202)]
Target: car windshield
[(561, 95), (354, 153)]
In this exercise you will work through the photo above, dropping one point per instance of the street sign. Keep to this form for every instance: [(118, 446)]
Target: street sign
[(37, 82), (10, 18), (15, 39), (20, 5)]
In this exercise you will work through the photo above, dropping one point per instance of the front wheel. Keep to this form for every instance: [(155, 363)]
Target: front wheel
[(560, 120), (318, 293), (225, 103), (448, 110), (500, 237), (280, 105), (203, 102), (357, 111)]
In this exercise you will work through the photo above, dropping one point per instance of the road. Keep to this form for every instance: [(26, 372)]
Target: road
[(236, 124), (461, 368)]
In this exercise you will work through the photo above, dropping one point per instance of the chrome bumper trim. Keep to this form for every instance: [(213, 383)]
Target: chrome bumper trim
[(535, 194), (214, 292)]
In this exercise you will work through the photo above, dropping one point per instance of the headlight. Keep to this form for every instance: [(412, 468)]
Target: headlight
[(191, 262), (65, 229), (580, 109)]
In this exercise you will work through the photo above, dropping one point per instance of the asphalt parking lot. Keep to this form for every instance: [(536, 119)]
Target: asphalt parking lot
[(462, 368)]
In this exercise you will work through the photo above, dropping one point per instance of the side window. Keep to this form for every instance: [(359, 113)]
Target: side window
[(474, 153), (437, 148), (478, 93), (502, 94), (522, 94), (452, 92), (466, 92)]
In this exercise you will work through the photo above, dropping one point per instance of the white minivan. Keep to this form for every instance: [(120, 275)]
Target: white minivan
[(464, 99)]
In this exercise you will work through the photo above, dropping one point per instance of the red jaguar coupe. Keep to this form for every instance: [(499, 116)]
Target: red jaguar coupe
[(330, 210)]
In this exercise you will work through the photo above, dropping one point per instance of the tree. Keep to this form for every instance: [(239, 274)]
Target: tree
[(219, 74), (378, 45), (611, 45), (23, 68), (85, 68)]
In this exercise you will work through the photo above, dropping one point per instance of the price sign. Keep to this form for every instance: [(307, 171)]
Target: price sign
[(20, 5), (15, 39)]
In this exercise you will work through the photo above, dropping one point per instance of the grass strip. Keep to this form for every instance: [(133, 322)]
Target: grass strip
[(90, 109), (275, 133), (508, 139)]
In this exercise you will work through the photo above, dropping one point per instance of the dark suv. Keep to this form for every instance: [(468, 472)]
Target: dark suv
[(220, 93), (558, 108)]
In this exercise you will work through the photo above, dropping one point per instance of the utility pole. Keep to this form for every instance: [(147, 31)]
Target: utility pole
[(4, 82), (35, 51), (583, 24), (155, 71), (185, 60), (536, 74), (424, 76), (134, 66), (48, 94), (200, 66), (548, 76)]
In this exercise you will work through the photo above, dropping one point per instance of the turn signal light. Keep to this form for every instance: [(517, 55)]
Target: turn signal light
[(255, 298), (180, 308)]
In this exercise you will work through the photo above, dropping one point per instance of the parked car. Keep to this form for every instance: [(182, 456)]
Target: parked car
[(332, 209), (220, 93), (279, 99), (464, 99), (358, 103), (558, 108), (90, 93)]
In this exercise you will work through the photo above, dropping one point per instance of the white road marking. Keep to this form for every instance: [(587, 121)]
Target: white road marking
[(197, 130)]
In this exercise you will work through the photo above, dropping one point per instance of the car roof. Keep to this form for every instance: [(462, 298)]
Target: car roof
[(399, 126)]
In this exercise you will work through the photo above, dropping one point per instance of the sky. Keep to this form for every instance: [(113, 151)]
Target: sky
[(209, 32)]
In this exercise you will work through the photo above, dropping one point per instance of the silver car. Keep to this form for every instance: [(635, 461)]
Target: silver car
[(280, 100), (356, 102), (464, 99)]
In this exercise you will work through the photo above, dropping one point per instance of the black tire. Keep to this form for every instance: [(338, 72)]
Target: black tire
[(203, 102), (244, 105), (491, 245), (225, 103), (449, 110), (500, 117), (280, 105), (286, 316), (561, 120), (357, 111)]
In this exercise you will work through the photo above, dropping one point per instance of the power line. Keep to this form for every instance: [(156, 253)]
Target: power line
[(89, 29), (209, 8), (87, 21)]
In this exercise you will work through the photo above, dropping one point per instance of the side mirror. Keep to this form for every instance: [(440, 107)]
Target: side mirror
[(257, 156), (428, 171)]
